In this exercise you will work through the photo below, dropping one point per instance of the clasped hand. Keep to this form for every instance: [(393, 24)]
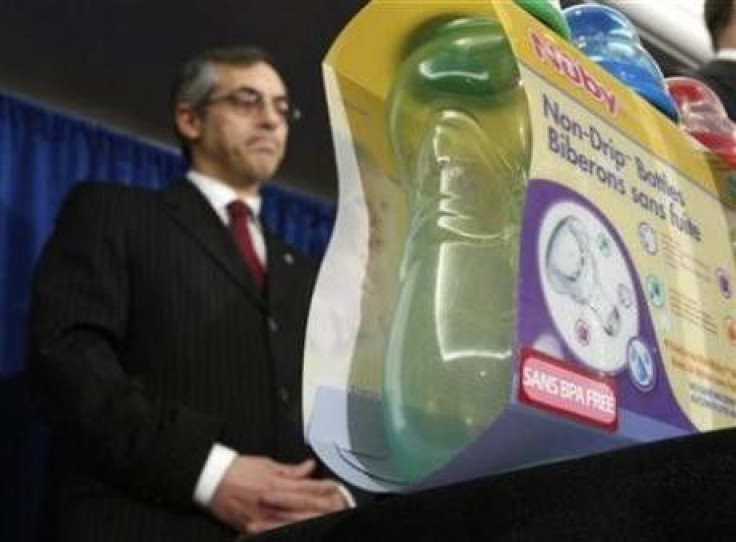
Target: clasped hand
[(257, 494)]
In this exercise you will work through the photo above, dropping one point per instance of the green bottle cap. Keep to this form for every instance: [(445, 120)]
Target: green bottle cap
[(549, 14)]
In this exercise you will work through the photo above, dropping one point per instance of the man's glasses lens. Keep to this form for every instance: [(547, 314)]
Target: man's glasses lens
[(248, 100)]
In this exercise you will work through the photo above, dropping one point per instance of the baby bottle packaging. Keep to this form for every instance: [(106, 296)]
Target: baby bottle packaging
[(530, 262)]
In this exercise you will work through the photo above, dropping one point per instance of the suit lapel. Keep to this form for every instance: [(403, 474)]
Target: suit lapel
[(282, 269), (191, 210)]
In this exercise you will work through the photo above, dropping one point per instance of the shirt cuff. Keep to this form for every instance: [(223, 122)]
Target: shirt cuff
[(345, 492), (214, 469)]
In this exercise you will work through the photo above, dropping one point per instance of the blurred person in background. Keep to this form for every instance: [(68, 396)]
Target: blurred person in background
[(720, 72)]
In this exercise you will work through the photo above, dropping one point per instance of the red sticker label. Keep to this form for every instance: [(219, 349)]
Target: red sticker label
[(553, 385)]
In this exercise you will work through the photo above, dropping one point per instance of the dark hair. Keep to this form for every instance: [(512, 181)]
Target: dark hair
[(717, 16), (196, 79)]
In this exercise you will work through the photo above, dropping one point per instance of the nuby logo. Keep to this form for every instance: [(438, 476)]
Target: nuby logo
[(564, 64)]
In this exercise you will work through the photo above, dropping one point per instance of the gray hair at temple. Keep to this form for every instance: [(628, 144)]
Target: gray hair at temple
[(197, 77), (717, 14)]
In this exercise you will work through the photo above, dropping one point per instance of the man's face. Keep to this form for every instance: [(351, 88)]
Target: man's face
[(239, 136)]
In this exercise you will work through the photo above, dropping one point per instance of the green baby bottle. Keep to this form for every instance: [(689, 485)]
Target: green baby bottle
[(459, 130)]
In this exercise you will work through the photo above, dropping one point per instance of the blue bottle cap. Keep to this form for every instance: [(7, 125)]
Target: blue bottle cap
[(609, 39)]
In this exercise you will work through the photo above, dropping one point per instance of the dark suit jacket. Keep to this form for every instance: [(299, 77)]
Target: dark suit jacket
[(148, 343), (720, 75)]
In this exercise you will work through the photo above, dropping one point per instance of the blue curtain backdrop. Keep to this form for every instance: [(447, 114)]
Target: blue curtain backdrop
[(42, 155)]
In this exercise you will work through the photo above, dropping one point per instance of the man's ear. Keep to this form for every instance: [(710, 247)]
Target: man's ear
[(188, 122)]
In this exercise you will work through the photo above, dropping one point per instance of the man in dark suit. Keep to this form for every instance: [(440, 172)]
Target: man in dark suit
[(166, 335), (720, 73)]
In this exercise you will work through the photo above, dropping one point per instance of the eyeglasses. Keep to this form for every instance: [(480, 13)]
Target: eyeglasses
[(248, 100)]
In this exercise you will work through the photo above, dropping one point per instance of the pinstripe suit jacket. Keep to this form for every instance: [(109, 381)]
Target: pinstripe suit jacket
[(149, 342)]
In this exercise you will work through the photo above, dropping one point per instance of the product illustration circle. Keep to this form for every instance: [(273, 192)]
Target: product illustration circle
[(641, 365), (648, 238), (588, 287), (655, 291)]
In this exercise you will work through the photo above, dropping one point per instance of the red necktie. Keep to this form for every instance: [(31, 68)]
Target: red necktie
[(239, 214)]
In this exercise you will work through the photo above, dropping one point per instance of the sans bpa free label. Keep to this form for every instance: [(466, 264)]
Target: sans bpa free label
[(558, 387)]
